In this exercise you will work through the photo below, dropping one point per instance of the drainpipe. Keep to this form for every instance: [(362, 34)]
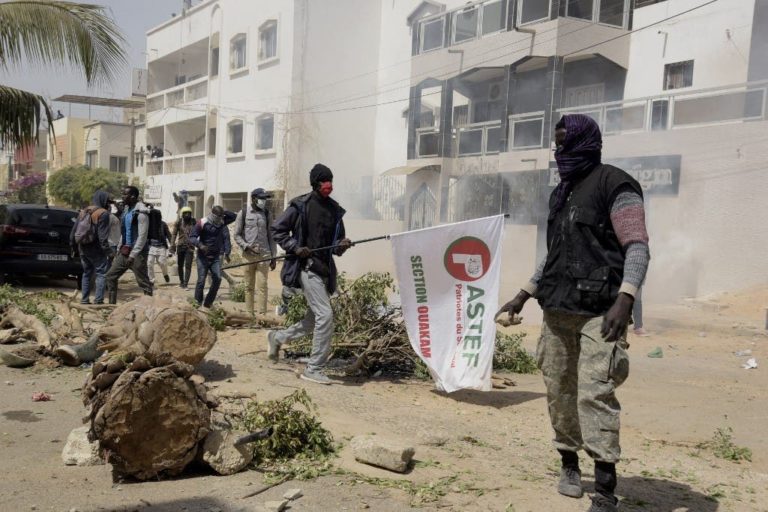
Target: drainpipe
[(527, 31)]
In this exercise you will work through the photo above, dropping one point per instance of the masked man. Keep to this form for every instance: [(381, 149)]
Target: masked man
[(309, 225), (211, 237), (181, 245), (253, 235), (597, 257)]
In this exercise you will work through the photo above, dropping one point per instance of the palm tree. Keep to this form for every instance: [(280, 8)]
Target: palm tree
[(57, 34)]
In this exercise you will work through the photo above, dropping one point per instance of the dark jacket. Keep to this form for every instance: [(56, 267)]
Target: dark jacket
[(101, 242), (215, 238), (290, 232), (181, 233), (163, 236), (585, 261)]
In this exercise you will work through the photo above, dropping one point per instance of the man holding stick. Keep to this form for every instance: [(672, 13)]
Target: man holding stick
[(311, 221)]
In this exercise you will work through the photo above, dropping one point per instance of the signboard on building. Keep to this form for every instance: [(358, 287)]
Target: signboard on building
[(139, 82), (153, 194), (658, 175)]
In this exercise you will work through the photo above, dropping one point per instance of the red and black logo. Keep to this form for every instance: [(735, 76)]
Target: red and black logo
[(467, 259)]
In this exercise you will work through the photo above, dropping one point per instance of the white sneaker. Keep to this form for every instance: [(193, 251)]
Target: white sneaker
[(315, 376)]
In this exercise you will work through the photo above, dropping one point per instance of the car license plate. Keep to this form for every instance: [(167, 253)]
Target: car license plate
[(52, 257)]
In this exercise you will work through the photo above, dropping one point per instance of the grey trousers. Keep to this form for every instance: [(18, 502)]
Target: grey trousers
[(318, 321), (120, 266)]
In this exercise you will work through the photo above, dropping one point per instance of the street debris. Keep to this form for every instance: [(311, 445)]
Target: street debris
[(79, 450), (656, 353), (275, 506), (743, 353), (382, 453), (41, 396), (222, 452), (293, 494), (751, 364)]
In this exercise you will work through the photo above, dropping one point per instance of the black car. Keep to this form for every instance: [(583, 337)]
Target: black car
[(34, 240)]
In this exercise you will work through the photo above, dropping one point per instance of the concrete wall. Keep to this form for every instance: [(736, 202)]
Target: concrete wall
[(712, 236), (716, 37), (108, 139)]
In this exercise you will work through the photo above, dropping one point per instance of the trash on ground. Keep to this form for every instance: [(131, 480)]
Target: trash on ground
[(42, 396), (742, 353), (750, 364), (656, 353)]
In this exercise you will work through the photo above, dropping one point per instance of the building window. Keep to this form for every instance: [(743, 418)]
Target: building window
[(581, 9), (118, 163), (678, 75), (432, 34), (465, 24), (91, 159), (265, 132), (211, 141), (268, 41), (215, 61), (494, 17), (138, 159), (238, 56), (531, 11), (612, 12), (235, 137)]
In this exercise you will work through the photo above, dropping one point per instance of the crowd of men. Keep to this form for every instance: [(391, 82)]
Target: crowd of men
[(596, 261)]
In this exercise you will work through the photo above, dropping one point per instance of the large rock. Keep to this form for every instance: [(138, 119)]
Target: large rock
[(381, 453), (79, 451), (220, 452)]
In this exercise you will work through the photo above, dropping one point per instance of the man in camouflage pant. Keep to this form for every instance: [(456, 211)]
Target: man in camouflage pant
[(597, 256)]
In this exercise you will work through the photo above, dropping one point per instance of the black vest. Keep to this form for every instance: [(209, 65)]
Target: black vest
[(585, 262)]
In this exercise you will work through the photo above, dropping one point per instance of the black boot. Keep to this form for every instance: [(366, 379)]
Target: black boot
[(113, 296), (570, 475), (605, 485)]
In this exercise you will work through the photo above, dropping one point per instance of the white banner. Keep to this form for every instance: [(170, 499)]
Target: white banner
[(449, 288)]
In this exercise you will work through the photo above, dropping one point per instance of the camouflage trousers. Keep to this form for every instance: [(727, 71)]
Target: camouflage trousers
[(581, 372)]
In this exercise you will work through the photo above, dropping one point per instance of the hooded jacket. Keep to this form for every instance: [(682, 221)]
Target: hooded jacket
[(215, 238), (290, 232), (101, 242)]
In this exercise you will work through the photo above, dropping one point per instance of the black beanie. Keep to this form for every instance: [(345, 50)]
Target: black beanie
[(319, 174)]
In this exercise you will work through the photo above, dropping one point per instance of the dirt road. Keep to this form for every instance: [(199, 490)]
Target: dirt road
[(476, 451)]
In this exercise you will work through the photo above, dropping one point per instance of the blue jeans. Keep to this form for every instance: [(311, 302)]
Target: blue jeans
[(95, 267), (204, 265)]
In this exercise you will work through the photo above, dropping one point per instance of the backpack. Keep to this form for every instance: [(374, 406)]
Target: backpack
[(85, 228)]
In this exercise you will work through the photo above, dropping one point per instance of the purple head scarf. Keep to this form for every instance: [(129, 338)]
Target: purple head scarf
[(579, 154)]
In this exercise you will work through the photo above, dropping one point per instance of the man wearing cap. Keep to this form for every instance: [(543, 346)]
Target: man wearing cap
[(253, 235), (309, 226)]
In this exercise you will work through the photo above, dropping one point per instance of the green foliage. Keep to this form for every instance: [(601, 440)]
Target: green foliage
[(76, 185), (297, 432), (28, 189), (511, 356), (238, 293), (420, 493), (27, 303), (217, 318), (722, 446)]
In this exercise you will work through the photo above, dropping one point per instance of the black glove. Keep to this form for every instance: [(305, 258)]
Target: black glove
[(303, 252), (343, 246), (272, 264)]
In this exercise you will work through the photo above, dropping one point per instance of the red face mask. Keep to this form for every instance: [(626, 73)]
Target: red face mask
[(325, 189)]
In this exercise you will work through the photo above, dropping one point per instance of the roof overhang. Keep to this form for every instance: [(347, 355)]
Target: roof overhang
[(101, 102), (406, 170)]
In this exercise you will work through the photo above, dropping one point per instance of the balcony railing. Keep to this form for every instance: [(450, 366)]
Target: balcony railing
[(177, 164), (478, 139), (179, 95), (684, 109)]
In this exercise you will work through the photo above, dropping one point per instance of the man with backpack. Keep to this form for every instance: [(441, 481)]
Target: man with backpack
[(253, 235), (211, 238), (91, 235), (133, 250)]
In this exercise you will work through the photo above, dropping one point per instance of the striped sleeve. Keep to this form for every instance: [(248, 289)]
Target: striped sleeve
[(628, 219)]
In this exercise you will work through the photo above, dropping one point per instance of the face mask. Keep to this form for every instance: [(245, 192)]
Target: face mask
[(186, 216), (261, 203), (325, 189), (217, 219)]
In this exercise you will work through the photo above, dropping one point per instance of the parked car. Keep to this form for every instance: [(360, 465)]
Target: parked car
[(34, 240)]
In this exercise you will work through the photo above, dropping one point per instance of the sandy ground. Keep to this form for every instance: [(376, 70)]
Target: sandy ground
[(497, 454)]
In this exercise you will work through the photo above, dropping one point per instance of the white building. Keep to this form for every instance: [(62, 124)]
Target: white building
[(431, 111)]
